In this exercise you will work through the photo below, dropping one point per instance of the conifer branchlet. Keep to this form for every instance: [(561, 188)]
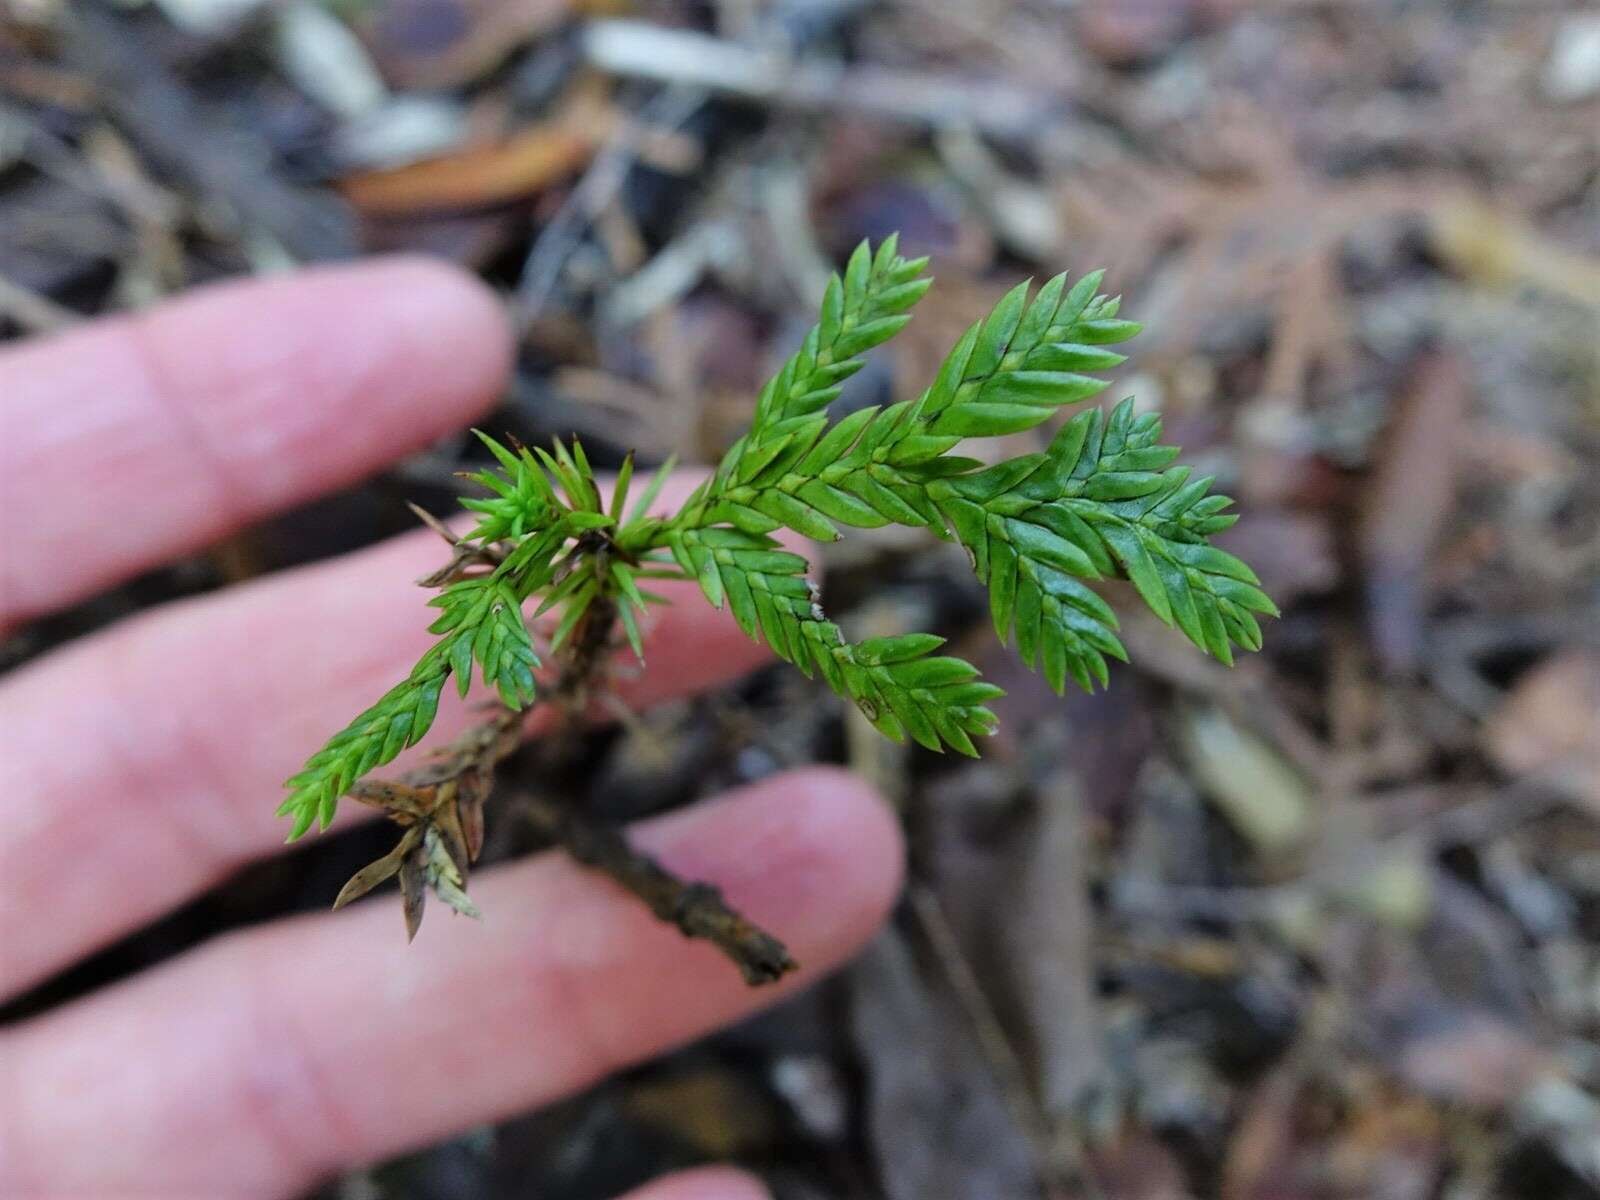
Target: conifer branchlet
[(1103, 501)]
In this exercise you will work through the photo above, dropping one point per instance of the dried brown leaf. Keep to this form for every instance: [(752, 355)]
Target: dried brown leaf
[(473, 789), (446, 826), (478, 177), (396, 799), (1546, 728), (374, 873), (414, 889)]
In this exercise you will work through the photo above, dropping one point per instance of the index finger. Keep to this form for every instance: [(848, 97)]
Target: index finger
[(138, 438)]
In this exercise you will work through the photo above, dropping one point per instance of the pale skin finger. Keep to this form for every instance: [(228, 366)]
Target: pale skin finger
[(275, 1056), (706, 1183), (146, 762), (138, 438)]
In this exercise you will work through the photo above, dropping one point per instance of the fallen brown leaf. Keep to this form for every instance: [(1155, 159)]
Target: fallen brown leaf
[(478, 177), (1548, 728)]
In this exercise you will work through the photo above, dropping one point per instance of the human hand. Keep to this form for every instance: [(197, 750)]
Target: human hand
[(143, 764)]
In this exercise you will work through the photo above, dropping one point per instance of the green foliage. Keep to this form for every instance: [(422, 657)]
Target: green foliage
[(894, 681), (396, 721), (1104, 501), (874, 467), (1098, 504), (863, 310), (480, 621)]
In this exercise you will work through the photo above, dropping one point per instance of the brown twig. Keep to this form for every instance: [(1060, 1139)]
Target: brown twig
[(463, 554), (697, 909)]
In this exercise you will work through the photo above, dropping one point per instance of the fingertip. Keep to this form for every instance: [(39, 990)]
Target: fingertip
[(704, 1183), (851, 829), (452, 317)]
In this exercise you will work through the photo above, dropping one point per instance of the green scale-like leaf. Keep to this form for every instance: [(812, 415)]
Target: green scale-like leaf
[(480, 622), (396, 721), (523, 501), (1104, 502), (897, 682), (861, 310), (1007, 373), (1016, 367), (1101, 502)]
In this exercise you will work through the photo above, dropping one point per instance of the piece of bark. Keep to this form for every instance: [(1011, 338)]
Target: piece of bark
[(937, 1122), (440, 44), (1405, 503), (1049, 939)]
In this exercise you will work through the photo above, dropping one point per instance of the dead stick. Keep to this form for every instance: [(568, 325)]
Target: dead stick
[(697, 909)]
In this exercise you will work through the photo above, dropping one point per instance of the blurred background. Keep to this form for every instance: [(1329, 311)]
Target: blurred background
[(1325, 926)]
